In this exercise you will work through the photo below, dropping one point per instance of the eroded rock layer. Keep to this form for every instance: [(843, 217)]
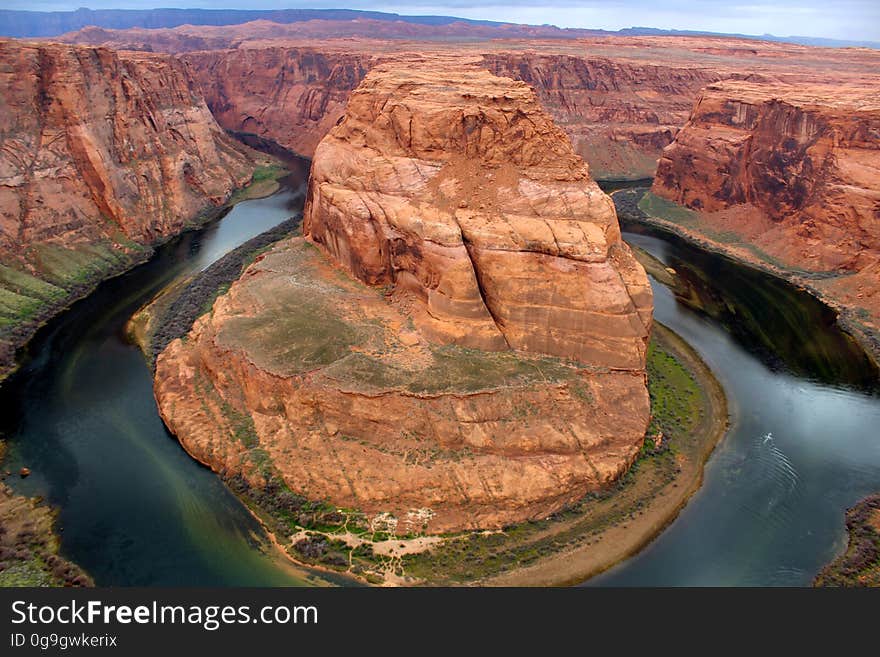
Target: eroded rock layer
[(301, 374), (483, 364), (292, 96), (619, 115), (455, 187), (101, 154), (96, 141), (793, 171)]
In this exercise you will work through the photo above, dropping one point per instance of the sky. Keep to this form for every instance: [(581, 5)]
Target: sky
[(857, 20)]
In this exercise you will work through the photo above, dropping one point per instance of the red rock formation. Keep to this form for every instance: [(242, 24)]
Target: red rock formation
[(292, 96), (101, 152), (95, 141), (618, 114), (793, 170), (454, 185), (454, 189)]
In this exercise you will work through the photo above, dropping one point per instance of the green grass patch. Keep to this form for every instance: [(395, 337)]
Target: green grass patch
[(454, 369), (661, 208), (656, 206), (26, 285), (306, 338), (32, 572), (676, 399), (70, 268)]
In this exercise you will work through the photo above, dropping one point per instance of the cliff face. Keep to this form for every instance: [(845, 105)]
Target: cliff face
[(619, 115), (806, 160), (292, 96), (101, 153), (455, 187), (792, 171), (415, 398)]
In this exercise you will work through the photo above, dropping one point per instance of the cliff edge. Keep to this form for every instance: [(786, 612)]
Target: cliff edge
[(103, 153)]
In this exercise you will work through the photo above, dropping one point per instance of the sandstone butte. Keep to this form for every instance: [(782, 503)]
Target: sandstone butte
[(793, 172), (102, 153), (464, 349)]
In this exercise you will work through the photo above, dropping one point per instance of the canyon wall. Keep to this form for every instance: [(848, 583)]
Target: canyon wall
[(619, 99), (292, 96), (793, 171), (465, 348), (102, 154), (619, 115)]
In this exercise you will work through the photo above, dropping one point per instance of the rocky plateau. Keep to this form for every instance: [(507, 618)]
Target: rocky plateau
[(464, 349)]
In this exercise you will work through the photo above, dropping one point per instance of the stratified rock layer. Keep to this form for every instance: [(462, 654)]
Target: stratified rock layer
[(292, 96), (619, 115), (455, 187), (101, 153), (792, 170), (452, 190), (96, 140)]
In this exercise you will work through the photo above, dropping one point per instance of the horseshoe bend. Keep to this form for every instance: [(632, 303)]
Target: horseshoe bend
[(305, 297), (458, 339)]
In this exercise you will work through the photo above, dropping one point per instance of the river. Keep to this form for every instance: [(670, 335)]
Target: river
[(136, 510), (804, 443)]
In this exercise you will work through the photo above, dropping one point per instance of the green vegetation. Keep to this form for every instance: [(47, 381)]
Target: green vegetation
[(859, 565), (25, 297), (26, 285), (661, 208), (54, 276), (676, 400), (29, 546), (297, 341), (69, 268), (678, 404), (264, 181), (657, 206), (32, 572)]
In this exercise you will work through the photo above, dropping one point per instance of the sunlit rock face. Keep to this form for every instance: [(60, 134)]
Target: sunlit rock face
[(454, 186)]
